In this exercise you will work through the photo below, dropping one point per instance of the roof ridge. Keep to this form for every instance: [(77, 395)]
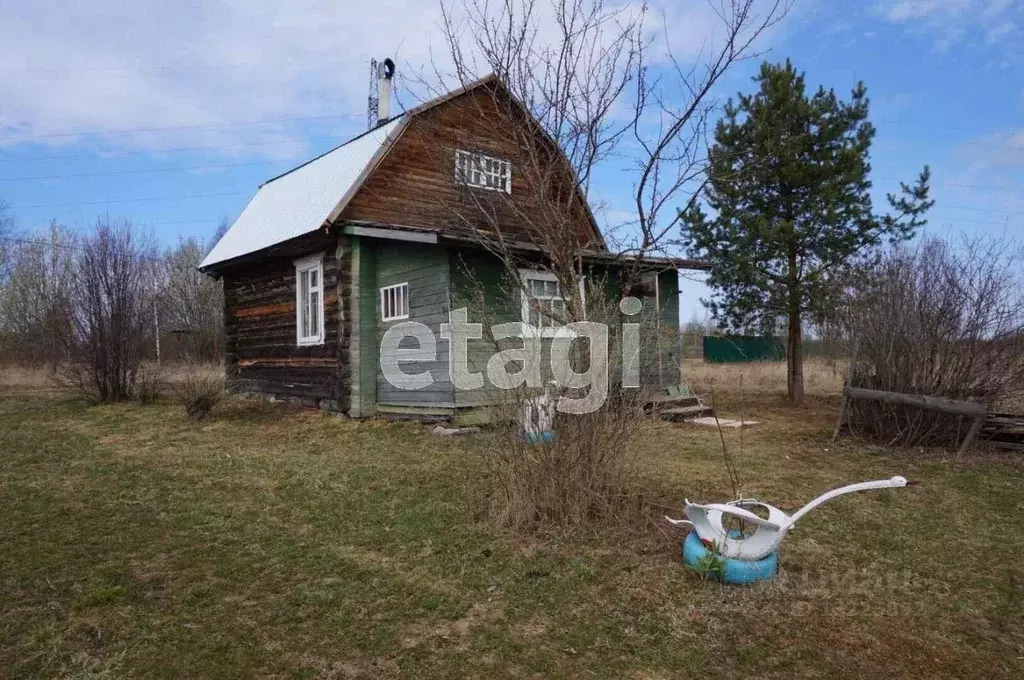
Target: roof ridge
[(414, 111), (332, 150)]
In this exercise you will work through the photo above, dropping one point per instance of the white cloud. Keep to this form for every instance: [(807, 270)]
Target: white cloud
[(1001, 31), (952, 22), (102, 67), (98, 68), (997, 151)]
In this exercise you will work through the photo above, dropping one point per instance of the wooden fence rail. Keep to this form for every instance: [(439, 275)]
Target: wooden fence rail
[(962, 408)]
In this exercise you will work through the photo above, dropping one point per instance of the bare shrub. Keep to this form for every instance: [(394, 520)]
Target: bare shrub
[(583, 476), (150, 383), (112, 302), (198, 388), (944, 319)]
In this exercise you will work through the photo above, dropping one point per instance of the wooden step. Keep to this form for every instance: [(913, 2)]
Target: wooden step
[(686, 412), (665, 400)]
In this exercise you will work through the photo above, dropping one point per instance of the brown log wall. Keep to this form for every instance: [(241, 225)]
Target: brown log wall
[(261, 353), (415, 183)]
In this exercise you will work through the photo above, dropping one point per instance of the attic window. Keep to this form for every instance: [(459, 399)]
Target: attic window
[(309, 300), (484, 172)]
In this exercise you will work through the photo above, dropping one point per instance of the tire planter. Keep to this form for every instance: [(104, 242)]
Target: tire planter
[(735, 572)]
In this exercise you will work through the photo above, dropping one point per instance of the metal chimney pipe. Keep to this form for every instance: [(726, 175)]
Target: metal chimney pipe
[(385, 74)]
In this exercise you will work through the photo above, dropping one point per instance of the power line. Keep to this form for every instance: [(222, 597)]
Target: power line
[(65, 246), (137, 171), (128, 131), (170, 149), (130, 200), (976, 209), (983, 187), (1006, 223)]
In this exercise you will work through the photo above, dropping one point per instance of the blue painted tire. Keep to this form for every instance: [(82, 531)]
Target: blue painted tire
[(735, 572), (540, 437)]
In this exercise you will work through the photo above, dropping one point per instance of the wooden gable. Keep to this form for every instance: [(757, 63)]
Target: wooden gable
[(415, 184)]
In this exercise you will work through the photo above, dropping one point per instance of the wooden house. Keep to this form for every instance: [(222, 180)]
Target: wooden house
[(326, 257)]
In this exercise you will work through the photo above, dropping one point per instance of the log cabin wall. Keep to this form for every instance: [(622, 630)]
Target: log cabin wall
[(261, 351), (414, 185)]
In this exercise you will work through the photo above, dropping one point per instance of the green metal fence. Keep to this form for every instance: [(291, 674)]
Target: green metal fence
[(722, 349)]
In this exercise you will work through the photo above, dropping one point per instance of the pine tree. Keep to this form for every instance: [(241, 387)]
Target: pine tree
[(789, 189)]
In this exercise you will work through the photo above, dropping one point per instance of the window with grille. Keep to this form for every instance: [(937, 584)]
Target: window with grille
[(484, 172), (543, 301), (309, 300), (394, 302)]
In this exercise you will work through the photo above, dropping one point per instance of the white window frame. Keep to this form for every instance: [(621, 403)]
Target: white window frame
[(469, 163), (527, 275), (302, 266), (402, 288)]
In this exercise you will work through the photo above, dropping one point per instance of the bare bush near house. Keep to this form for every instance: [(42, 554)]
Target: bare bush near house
[(584, 476), (112, 300), (588, 88), (36, 296), (198, 388), (944, 319)]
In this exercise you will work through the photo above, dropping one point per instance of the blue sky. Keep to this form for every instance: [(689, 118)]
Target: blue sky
[(172, 114)]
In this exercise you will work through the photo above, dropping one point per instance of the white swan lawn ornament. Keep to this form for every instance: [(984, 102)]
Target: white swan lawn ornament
[(707, 521)]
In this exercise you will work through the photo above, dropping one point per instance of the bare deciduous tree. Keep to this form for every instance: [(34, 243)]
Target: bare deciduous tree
[(35, 299), (8, 237), (112, 300), (575, 85), (192, 303)]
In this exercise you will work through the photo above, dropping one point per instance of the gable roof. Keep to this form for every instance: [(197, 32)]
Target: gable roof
[(313, 194), (301, 200)]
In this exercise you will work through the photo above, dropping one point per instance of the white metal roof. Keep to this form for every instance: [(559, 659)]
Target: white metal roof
[(301, 200)]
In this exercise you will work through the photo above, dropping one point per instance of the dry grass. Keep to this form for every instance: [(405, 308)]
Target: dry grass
[(199, 388), (821, 377), (23, 379), (184, 371), (270, 542)]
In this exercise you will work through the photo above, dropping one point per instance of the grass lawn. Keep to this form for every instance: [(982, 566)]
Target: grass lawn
[(276, 543)]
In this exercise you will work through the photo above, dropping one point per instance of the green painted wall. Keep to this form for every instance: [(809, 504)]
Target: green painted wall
[(480, 283), (443, 279), (426, 269)]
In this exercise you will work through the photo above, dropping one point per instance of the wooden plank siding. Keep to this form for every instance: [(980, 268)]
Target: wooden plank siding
[(261, 352), (415, 183), (425, 268), (479, 283)]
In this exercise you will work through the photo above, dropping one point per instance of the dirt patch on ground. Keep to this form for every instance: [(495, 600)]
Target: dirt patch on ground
[(456, 632)]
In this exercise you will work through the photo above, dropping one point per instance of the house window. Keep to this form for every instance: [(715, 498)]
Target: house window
[(309, 300), (394, 302), (544, 301), (478, 170)]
